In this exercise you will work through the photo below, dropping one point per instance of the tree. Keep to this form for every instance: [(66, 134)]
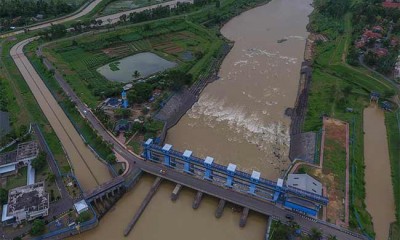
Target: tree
[(3, 196), (332, 237), (178, 79), (123, 17), (136, 74), (51, 177), (111, 158), (315, 234), (143, 92), (217, 4), (38, 227), (83, 217), (39, 162)]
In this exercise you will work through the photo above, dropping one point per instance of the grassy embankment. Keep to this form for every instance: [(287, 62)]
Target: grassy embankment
[(392, 121), (168, 39), (23, 108), (335, 86), (69, 108)]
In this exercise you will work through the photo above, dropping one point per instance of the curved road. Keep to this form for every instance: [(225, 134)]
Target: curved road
[(88, 169), (79, 13), (82, 158)]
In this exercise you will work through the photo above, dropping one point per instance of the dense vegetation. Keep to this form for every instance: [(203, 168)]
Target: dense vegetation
[(22, 12), (337, 85)]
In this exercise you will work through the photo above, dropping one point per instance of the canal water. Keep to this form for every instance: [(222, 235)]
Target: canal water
[(164, 219), (378, 182), (240, 117)]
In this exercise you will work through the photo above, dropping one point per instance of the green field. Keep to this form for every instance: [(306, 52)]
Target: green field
[(126, 5), (79, 58), (24, 108), (336, 86)]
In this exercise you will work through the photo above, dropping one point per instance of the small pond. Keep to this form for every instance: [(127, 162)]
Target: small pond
[(145, 64)]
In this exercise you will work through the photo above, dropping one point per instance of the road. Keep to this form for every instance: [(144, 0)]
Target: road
[(79, 13), (195, 183), (80, 156), (113, 18)]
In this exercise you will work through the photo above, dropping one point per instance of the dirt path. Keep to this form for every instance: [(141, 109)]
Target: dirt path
[(379, 190)]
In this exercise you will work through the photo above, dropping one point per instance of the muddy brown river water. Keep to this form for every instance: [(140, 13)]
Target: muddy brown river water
[(378, 183), (239, 118)]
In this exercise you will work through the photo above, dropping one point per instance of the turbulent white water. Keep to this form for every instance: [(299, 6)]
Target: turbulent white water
[(240, 118)]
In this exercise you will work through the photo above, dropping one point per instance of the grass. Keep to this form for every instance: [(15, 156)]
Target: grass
[(392, 121), (136, 146), (79, 123), (17, 180), (79, 62), (125, 5), (328, 95), (26, 110)]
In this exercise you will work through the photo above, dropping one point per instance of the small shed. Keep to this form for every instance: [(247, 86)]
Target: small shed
[(81, 206)]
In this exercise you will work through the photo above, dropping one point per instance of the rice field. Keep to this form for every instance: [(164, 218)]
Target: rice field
[(173, 42)]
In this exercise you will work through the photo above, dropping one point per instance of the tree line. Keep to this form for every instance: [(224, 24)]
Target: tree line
[(21, 12)]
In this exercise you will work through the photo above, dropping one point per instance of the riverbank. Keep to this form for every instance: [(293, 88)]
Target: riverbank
[(379, 197), (336, 88)]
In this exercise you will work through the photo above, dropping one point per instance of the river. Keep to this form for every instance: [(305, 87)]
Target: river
[(240, 117), (378, 182)]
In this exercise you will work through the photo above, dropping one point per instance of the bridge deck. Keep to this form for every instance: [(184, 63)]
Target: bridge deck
[(245, 200), (104, 187)]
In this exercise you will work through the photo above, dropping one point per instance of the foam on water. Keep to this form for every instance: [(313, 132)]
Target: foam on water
[(250, 125)]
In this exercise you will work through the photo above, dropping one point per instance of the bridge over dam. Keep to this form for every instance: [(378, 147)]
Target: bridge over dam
[(250, 191)]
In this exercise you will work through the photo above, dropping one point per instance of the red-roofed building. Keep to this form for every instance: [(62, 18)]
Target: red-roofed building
[(377, 29), (381, 52), (368, 34), (390, 4)]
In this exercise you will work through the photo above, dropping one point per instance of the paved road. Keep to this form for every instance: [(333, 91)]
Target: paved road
[(240, 199), (197, 184), (79, 13), (361, 60), (80, 156), (113, 18)]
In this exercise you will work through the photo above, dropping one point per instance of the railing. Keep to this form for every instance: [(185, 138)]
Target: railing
[(239, 175)]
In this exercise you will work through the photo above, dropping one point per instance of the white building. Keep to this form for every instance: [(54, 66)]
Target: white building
[(304, 182), (10, 161), (28, 202)]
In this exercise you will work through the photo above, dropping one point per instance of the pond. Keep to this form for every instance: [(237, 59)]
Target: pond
[(145, 64)]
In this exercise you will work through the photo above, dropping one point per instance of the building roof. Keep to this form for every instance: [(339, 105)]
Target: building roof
[(30, 198), (231, 167), (81, 206), (8, 157), (4, 216), (209, 160), (370, 34), (6, 169), (27, 151), (391, 4), (304, 182), (4, 123)]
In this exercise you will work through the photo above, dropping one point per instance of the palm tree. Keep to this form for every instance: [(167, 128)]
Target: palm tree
[(136, 74), (315, 234), (332, 237)]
